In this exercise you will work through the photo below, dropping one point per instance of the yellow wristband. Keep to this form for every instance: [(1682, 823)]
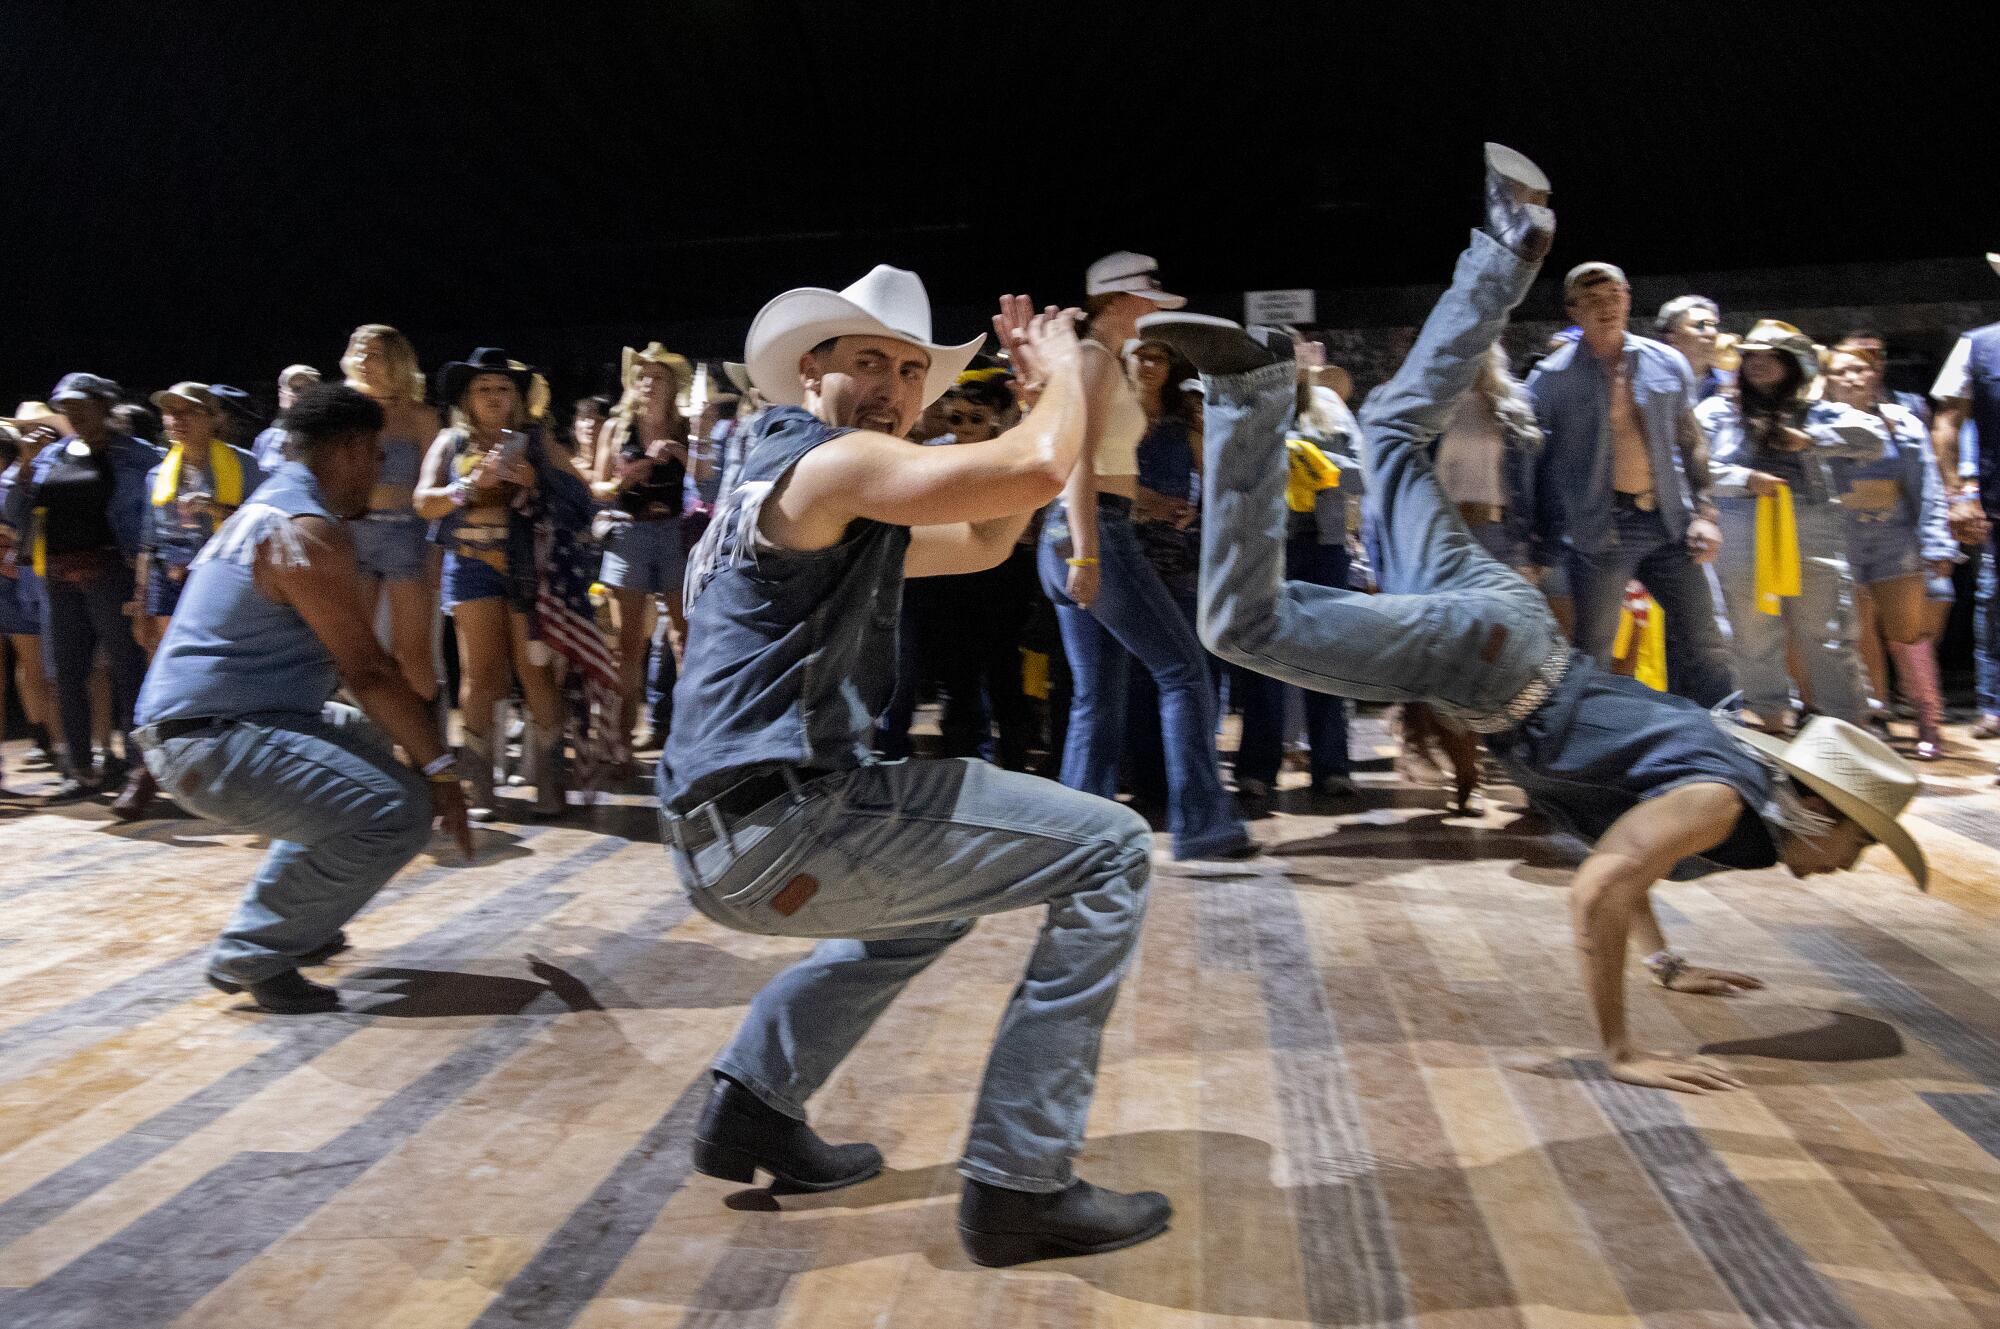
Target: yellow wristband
[(1081, 562)]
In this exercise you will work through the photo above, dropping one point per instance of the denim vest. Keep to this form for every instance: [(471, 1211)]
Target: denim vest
[(1908, 463), (791, 653), (1984, 369), (231, 650)]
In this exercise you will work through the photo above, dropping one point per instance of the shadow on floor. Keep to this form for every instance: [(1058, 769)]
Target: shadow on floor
[(1844, 1037), (1245, 1242), (430, 994), (1428, 838)]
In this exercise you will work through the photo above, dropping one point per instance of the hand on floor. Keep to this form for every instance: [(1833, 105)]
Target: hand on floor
[(1712, 982), (1658, 1071)]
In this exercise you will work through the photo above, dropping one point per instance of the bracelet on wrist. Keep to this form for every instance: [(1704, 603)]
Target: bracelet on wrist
[(1081, 562), (444, 767), (1665, 966)]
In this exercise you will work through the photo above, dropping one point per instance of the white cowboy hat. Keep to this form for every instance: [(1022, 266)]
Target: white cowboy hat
[(888, 302), (1134, 274), (1993, 262), (1856, 772)]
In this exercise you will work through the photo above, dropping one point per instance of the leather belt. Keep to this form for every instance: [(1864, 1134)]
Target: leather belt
[(1647, 501), (181, 728), (1477, 514), (702, 824)]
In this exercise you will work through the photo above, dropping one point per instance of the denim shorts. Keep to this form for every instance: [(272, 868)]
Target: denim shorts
[(644, 556), (391, 546), (163, 593), (1882, 550), (20, 606), (468, 579)]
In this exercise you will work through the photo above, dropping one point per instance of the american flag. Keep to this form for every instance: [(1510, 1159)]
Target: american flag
[(566, 621)]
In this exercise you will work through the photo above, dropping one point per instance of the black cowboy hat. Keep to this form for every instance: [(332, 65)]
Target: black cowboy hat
[(453, 378)]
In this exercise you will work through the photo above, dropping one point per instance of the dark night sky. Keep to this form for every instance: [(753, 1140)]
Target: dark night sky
[(214, 190)]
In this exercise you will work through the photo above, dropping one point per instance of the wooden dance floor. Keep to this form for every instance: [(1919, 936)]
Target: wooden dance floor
[(1354, 1066)]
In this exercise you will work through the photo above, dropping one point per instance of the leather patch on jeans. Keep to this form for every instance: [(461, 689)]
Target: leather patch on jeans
[(793, 898), (1496, 641)]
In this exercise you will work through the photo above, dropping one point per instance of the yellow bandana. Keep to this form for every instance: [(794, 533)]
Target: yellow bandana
[(1312, 471), (1651, 668), (1777, 551), (222, 459)]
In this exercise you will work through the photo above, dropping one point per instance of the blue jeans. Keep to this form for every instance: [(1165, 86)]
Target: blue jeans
[(1135, 616), (343, 816), (662, 672), (1261, 750), (1986, 627), (1820, 621), (894, 862), (1698, 661), (79, 619), (1457, 627)]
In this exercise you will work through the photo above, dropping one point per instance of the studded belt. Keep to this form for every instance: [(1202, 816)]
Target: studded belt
[(1548, 676)]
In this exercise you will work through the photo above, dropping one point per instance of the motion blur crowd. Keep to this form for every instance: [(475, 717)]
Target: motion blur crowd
[(1753, 513)]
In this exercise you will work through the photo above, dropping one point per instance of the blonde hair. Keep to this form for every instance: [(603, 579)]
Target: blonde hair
[(1506, 399), (406, 376), (628, 401), (627, 409)]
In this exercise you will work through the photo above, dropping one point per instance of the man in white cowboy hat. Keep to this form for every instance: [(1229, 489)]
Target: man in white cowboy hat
[(780, 821), (1657, 783)]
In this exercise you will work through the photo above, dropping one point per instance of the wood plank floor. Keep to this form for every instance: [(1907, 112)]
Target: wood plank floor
[(1356, 1066)]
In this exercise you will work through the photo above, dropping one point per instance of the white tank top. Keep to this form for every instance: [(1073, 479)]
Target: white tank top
[(1124, 423)]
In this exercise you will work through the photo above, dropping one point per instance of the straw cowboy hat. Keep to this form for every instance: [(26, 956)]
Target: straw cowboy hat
[(1856, 772), (32, 415), (630, 359), (888, 302)]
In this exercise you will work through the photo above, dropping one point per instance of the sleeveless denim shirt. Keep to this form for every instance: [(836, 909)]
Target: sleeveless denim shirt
[(231, 650), (791, 653)]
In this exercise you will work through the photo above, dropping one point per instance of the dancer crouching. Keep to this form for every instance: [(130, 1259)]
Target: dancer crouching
[(782, 823), (1655, 782), (235, 723)]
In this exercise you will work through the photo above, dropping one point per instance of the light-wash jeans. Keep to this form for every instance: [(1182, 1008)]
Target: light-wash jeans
[(1820, 621), (1456, 626), (343, 816), (895, 861)]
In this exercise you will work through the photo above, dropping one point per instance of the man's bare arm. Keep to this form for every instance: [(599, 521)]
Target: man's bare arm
[(1692, 443), (1946, 423), (1609, 892), (975, 546), (325, 594), (872, 476)]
